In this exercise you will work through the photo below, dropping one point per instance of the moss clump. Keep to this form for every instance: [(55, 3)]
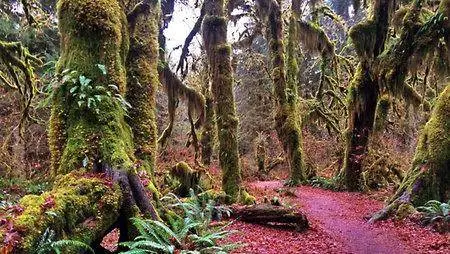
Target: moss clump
[(246, 198), (404, 210), (80, 206)]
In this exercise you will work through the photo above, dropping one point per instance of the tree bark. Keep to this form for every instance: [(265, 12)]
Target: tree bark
[(269, 214), (287, 120), (368, 38), (429, 176), (214, 33), (142, 77), (207, 138), (93, 148)]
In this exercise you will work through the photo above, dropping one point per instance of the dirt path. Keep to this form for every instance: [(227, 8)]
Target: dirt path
[(337, 226)]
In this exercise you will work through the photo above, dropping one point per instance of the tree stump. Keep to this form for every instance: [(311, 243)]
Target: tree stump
[(266, 214)]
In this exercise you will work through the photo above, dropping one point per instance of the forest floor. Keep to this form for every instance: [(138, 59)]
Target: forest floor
[(338, 224)]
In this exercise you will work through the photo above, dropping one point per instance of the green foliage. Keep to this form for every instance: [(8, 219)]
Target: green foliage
[(325, 183), (47, 245), (87, 94), (434, 210), (190, 233)]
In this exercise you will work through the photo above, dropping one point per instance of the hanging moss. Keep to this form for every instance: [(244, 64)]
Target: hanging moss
[(79, 207), (364, 37), (315, 39), (142, 75)]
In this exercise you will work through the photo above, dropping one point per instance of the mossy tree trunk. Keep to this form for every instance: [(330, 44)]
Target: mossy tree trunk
[(287, 116), (368, 38), (93, 146), (207, 138), (214, 32), (429, 176), (142, 77)]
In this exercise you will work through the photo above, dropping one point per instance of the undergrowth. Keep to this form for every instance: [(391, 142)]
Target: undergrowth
[(189, 233)]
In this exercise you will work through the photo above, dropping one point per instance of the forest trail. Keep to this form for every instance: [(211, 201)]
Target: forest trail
[(338, 225)]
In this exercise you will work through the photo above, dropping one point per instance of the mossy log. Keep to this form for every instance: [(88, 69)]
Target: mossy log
[(266, 214), (80, 206), (429, 176)]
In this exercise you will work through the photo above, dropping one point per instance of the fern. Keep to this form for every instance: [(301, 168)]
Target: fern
[(47, 245), (434, 210), (192, 234)]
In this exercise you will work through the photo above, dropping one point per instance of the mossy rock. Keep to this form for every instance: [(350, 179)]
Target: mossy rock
[(404, 211)]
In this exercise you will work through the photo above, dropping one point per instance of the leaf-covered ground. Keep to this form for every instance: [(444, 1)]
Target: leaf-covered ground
[(338, 225)]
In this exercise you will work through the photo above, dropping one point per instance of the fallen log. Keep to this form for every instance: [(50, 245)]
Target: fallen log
[(267, 214)]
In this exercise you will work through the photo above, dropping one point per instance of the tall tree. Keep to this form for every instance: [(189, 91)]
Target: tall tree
[(92, 145), (383, 70), (214, 33), (369, 38), (428, 177), (287, 116), (142, 79)]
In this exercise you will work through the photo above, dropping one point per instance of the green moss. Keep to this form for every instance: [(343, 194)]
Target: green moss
[(77, 205), (219, 56), (404, 210), (364, 36), (92, 32), (247, 199), (142, 73), (428, 178), (382, 112)]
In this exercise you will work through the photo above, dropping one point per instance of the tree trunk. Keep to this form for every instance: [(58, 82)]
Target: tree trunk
[(429, 176), (368, 38), (363, 94), (89, 137), (214, 32), (287, 116), (142, 77), (207, 139)]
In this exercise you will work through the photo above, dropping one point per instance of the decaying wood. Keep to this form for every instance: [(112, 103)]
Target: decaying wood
[(267, 214)]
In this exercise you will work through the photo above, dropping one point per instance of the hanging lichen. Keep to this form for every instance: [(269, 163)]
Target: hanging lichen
[(176, 90)]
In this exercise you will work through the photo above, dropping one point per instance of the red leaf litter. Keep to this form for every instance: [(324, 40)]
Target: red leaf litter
[(338, 225)]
